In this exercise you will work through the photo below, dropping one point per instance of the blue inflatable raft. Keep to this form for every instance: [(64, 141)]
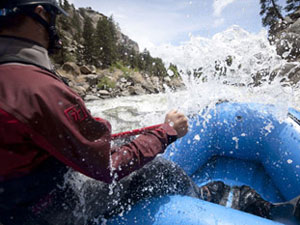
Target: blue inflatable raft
[(236, 143)]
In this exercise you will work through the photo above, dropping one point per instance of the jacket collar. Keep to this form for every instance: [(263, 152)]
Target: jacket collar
[(22, 49)]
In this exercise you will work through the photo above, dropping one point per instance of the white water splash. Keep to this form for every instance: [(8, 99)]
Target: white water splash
[(237, 53), (247, 54)]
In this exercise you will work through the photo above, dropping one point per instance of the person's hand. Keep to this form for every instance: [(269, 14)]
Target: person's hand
[(178, 121)]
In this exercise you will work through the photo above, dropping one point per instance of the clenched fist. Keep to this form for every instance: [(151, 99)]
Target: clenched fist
[(178, 121)]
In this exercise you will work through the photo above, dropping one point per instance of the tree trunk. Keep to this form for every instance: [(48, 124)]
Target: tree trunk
[(277, 11)]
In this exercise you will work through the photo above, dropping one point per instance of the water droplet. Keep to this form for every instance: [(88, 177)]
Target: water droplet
[(197, 137), (236, 139), (170, 73)]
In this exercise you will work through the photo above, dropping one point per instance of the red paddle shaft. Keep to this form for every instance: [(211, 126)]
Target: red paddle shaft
[(134, 132)]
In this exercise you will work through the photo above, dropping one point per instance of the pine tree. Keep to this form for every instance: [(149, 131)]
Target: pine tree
[(270, 12), (141, 62), (88, 35), (292, 6), (133, 59), (158, 68), (147, 60), (66, 5), (106, 41), (76, 25), (112, 44), (174, 69)]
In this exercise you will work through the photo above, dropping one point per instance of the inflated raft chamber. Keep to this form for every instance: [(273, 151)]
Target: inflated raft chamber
[(239, 144)]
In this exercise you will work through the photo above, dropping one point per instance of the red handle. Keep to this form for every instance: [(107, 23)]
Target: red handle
[(134, 132)]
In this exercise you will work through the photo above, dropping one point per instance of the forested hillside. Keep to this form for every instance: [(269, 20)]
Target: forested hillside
[(99, 60), (92, 38)]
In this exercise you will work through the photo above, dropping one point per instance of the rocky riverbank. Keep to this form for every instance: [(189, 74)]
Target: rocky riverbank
[(92, 83)]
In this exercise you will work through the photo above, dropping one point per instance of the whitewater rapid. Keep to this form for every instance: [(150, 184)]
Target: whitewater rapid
[(249, 54), (216, 81)]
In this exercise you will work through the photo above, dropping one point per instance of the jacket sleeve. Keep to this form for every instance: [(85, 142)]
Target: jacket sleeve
[(143, 149), (67, 131)]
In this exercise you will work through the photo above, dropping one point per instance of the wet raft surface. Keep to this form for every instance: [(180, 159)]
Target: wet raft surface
[(237, 144)]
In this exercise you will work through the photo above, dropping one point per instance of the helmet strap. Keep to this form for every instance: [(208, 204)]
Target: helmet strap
[(54, 39)]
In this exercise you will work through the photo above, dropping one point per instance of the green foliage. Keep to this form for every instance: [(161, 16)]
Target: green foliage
[(106, 41), (64, 23), (127, 71), (174, 69), (63, 56), (99, 45), (75, 22), (158, 68), (128, 56), (292, 6), (66, 5), (153, 66), (68, 57), (105, 84), (270, 12), (89, 51)]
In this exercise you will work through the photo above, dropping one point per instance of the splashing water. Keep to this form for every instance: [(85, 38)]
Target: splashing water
[(233, 65), (225, 67)]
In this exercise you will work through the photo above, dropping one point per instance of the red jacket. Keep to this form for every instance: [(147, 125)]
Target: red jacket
[(41, 117)]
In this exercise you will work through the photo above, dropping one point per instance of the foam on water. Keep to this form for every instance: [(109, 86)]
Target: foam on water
[(225, 66)]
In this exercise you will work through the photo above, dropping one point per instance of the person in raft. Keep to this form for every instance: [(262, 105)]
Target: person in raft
[(46, 131)]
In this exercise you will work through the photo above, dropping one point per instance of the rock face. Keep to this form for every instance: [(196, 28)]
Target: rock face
[(88, 69), (290, 73), (92, 82), (125, 40), (122, 38), (72, 68), (286, 37)]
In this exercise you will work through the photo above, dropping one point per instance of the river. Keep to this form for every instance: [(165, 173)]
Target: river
[(247, 53), (225, 65)]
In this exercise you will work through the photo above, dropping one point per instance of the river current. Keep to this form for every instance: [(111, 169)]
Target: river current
[(217, 69), (226, 64)]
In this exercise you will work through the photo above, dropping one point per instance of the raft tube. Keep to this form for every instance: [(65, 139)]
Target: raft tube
[(239, 144)]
